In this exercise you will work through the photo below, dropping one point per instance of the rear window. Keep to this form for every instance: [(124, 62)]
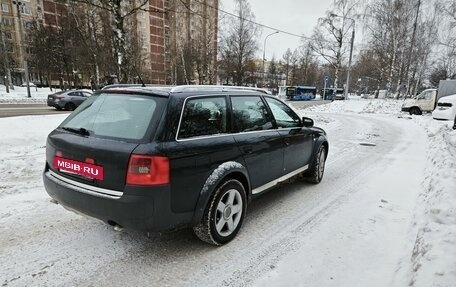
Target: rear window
[(449, 105), (118, 116)]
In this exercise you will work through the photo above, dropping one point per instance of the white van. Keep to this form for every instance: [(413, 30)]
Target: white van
[(446, 108)]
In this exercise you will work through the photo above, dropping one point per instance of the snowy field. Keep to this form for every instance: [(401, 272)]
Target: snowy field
[(384, 215)]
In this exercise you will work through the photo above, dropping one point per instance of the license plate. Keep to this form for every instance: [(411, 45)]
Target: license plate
[(80, 168)]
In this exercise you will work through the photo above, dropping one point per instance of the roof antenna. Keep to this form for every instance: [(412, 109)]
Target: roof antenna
[(140, 79)]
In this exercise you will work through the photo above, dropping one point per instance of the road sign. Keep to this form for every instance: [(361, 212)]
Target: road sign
[(326, 79)]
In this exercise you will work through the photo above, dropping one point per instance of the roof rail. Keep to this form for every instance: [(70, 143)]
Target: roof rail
[(215, 88), (138, 86)]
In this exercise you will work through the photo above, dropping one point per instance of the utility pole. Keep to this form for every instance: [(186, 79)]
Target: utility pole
[(350, 61), (22, 45)]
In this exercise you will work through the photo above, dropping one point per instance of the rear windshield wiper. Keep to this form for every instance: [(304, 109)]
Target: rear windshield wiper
[(81, 131)]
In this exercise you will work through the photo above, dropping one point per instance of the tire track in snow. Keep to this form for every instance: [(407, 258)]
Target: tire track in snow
[(275, 223)]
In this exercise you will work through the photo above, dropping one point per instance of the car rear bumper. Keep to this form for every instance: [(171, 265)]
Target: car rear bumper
[(443, 114), (53, 104), (139, 208)]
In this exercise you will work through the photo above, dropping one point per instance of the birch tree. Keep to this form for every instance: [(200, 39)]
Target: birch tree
[(401, 35), (332, 32), (119, 11), (447, 38)]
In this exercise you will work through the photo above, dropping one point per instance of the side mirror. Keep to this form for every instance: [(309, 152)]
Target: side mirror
[(307, 122)]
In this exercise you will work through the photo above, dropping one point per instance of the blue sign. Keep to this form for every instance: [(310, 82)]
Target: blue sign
[(326, 79)]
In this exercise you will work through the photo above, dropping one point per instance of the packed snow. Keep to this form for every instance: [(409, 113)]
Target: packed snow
[(384, 215)]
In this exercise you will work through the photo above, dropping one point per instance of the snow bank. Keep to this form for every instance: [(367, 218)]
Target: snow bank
[(22, 151), (434, 253), (433, 260), (371, 106)]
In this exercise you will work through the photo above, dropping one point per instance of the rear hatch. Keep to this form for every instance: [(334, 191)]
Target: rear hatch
[(93, 145), (445, 109)]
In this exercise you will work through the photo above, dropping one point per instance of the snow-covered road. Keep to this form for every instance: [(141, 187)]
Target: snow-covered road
[(359, 227)]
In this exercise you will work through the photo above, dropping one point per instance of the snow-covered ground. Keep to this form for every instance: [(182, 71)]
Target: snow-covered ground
[(19, 95), (384, 215)]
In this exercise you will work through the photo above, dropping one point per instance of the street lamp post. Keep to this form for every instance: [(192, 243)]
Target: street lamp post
[(23, 51), (347, 85), (264, 51)]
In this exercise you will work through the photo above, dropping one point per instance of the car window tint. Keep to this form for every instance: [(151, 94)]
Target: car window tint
[(116, 116), (73, 94), (283, 114), (249, 114), (203, 117)]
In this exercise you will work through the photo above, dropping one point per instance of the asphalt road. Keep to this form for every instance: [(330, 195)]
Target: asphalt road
[(14, 110)]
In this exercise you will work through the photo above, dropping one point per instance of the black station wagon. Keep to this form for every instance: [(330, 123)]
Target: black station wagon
[(155, 159)]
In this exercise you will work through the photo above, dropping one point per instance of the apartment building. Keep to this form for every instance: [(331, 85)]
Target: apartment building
[(191, 31), (14, 42), (176, 39)]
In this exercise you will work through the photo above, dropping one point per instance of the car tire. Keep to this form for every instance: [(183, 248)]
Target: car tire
[(70, 107), (317, 167), (224, 214), (415, 111)]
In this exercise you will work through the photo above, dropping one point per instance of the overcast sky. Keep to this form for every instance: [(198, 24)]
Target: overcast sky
[(294, 16)]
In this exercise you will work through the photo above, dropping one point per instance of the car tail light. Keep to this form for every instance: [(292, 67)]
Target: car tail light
[(147, 170), (59, 98)]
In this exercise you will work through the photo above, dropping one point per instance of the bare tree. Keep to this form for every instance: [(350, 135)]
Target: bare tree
[(401, 36), (329, 36), (294, 68), (447, 37), (273, 73), (119, 11), (308, 65), (239, 44), (286, 64)]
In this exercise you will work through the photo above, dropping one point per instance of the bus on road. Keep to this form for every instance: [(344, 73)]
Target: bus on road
[(301, 93)]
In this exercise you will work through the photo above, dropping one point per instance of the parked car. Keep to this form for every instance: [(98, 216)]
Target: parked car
[(31, 84), (68, 100), (157, 159), (446, 108)]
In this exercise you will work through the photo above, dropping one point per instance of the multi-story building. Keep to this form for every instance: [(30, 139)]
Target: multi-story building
[(177, 39), (15, 48), (191, 30)]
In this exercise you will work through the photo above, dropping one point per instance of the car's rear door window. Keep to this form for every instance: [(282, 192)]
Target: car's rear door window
[(250, 114), (126, 117), (203, 117)]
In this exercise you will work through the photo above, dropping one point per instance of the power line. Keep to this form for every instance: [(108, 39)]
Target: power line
[(263, 25), (253, 22)]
